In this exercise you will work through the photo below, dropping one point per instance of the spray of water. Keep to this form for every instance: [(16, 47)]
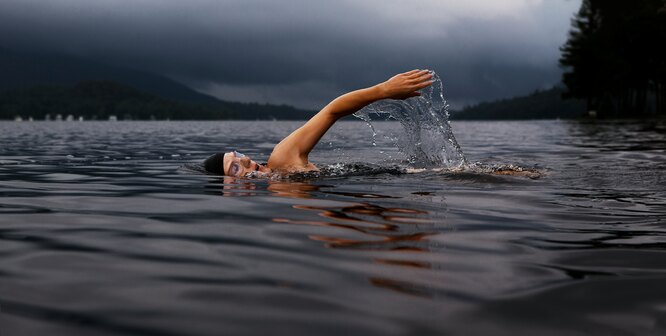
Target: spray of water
[(426, 137)]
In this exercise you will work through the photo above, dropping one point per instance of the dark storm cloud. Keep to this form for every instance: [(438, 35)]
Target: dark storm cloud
[(305, 52)]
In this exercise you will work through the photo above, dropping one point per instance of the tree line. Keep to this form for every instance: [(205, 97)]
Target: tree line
[(540, 104), (615, 57), (99, 100)]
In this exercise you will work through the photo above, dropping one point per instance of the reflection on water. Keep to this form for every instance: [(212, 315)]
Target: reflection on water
[(381, 228), (361, 226), (105, 231)]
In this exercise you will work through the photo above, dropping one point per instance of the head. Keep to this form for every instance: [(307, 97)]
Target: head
[(232, 164)]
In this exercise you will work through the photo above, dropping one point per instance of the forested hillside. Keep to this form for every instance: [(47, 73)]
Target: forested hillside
[(102, 99), (546, 104)]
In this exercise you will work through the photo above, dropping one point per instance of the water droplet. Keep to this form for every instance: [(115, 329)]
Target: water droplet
[(426, 137)]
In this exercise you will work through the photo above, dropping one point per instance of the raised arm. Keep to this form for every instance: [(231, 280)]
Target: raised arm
[(292, 152)]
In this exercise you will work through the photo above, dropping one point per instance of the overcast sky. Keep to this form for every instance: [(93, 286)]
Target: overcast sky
[(306, 52)]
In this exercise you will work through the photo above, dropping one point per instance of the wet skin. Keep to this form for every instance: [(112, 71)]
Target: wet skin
[(291, 154), (235, 165)]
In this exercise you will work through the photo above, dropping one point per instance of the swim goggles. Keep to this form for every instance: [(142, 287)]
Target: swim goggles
[(234, 167)]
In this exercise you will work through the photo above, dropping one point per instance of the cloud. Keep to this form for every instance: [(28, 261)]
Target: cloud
[(305, 52)]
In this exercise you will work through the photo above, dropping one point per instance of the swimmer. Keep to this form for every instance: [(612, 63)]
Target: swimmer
[(291, 154)]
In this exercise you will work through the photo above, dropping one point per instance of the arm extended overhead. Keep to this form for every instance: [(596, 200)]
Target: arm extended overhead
[(292, 152)]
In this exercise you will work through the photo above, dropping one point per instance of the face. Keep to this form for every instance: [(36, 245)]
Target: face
[(237, 164)]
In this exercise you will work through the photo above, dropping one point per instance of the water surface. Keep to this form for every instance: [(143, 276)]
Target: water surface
[(104, 230)]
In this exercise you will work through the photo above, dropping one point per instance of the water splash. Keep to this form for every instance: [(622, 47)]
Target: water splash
[(426, 137)]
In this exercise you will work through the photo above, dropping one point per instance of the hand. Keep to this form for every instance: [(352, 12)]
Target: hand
[(406, 85)]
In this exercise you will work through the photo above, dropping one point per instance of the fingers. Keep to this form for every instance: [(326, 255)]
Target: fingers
[(415, 73), (424, 84), (418, 73), (409, 73), (416, 87), (421, 78), (406, 85)]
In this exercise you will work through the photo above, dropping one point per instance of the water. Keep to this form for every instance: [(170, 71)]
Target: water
[(104, 230), (426, 137)]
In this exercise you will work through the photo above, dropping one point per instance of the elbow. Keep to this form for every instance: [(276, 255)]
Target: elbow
[(332, 113)]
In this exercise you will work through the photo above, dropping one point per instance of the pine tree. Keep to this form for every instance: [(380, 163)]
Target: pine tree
[(614, 57)]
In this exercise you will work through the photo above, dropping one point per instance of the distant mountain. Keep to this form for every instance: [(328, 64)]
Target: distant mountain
[(36, 85), (103, 99), (546, 104), (19, 70), (100, 100)]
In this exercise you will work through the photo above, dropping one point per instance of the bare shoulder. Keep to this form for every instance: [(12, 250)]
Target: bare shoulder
[(294, 168), (287, 159)]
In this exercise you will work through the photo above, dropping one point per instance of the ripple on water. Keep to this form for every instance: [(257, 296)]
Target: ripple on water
[(149, 246)]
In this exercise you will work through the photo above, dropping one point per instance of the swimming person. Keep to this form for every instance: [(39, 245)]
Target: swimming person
[(291, 154)]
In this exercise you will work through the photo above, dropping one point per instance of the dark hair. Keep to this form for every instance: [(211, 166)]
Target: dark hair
[(215, 164)]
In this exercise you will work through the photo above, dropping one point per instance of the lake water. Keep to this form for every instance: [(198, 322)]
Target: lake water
[(107, 229)]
